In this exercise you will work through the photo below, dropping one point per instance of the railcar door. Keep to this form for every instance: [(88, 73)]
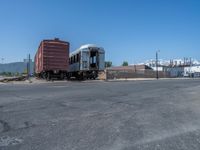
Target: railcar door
[(94, 59), (101, 60), (85, 60)]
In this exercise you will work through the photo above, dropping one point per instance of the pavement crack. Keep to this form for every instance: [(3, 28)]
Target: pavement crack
[(28, 125), (6, 126)]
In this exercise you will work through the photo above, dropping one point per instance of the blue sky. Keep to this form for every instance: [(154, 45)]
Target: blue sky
[(129, 30)]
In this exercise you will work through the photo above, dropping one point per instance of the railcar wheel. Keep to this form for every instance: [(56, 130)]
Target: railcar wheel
[(43, 76), (48, 76), (62, 76)]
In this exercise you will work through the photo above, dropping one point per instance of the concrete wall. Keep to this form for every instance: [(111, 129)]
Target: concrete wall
[(117, 74)]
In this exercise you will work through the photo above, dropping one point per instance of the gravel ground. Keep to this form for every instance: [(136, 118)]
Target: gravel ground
[(93, 115)]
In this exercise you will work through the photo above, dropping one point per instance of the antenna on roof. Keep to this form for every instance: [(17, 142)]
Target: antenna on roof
[(56, 39)]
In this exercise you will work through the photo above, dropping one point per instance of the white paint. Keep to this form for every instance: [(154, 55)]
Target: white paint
[(159, 68), (192, 69)]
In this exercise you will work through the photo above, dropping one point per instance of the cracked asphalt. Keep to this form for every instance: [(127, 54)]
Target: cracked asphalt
[(132, 115)]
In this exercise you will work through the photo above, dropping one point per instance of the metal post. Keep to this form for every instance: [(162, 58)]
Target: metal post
[(157, 65), (191, 75), (28, 67)]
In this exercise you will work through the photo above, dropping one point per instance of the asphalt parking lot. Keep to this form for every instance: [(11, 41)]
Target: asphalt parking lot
[(132, 115)]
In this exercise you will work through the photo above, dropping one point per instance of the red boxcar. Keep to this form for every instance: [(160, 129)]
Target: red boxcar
[(51, 59)]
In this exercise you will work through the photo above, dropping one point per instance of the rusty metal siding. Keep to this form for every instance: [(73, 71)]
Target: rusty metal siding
[(52, 55), (137, 71)]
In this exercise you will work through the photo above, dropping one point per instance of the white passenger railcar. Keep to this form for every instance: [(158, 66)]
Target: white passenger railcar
[(86, 62)]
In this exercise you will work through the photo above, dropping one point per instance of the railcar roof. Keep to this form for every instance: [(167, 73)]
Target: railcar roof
[(52, 41), (56, 41), (86, 47)]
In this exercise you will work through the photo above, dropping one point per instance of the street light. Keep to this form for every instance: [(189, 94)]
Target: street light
[(157, 76)]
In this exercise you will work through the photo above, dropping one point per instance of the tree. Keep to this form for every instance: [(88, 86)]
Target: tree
[(25, 71), (125, 63), (17, 74), (6, 74), (108, 64), (9, 74)]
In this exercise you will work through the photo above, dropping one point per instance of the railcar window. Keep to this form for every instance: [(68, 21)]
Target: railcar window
[(84, 64), (77, 57), (94, 59)]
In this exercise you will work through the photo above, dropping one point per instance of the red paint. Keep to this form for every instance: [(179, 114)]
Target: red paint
[(52, 55)]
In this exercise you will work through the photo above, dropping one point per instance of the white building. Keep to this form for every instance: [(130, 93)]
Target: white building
[(160, 68), (193, 71)]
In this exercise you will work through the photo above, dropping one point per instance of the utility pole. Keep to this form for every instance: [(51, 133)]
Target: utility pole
[(157, 76), (28, 66), (191, 74)]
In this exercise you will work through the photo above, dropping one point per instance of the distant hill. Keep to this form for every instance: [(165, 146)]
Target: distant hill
[(15, 67)]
